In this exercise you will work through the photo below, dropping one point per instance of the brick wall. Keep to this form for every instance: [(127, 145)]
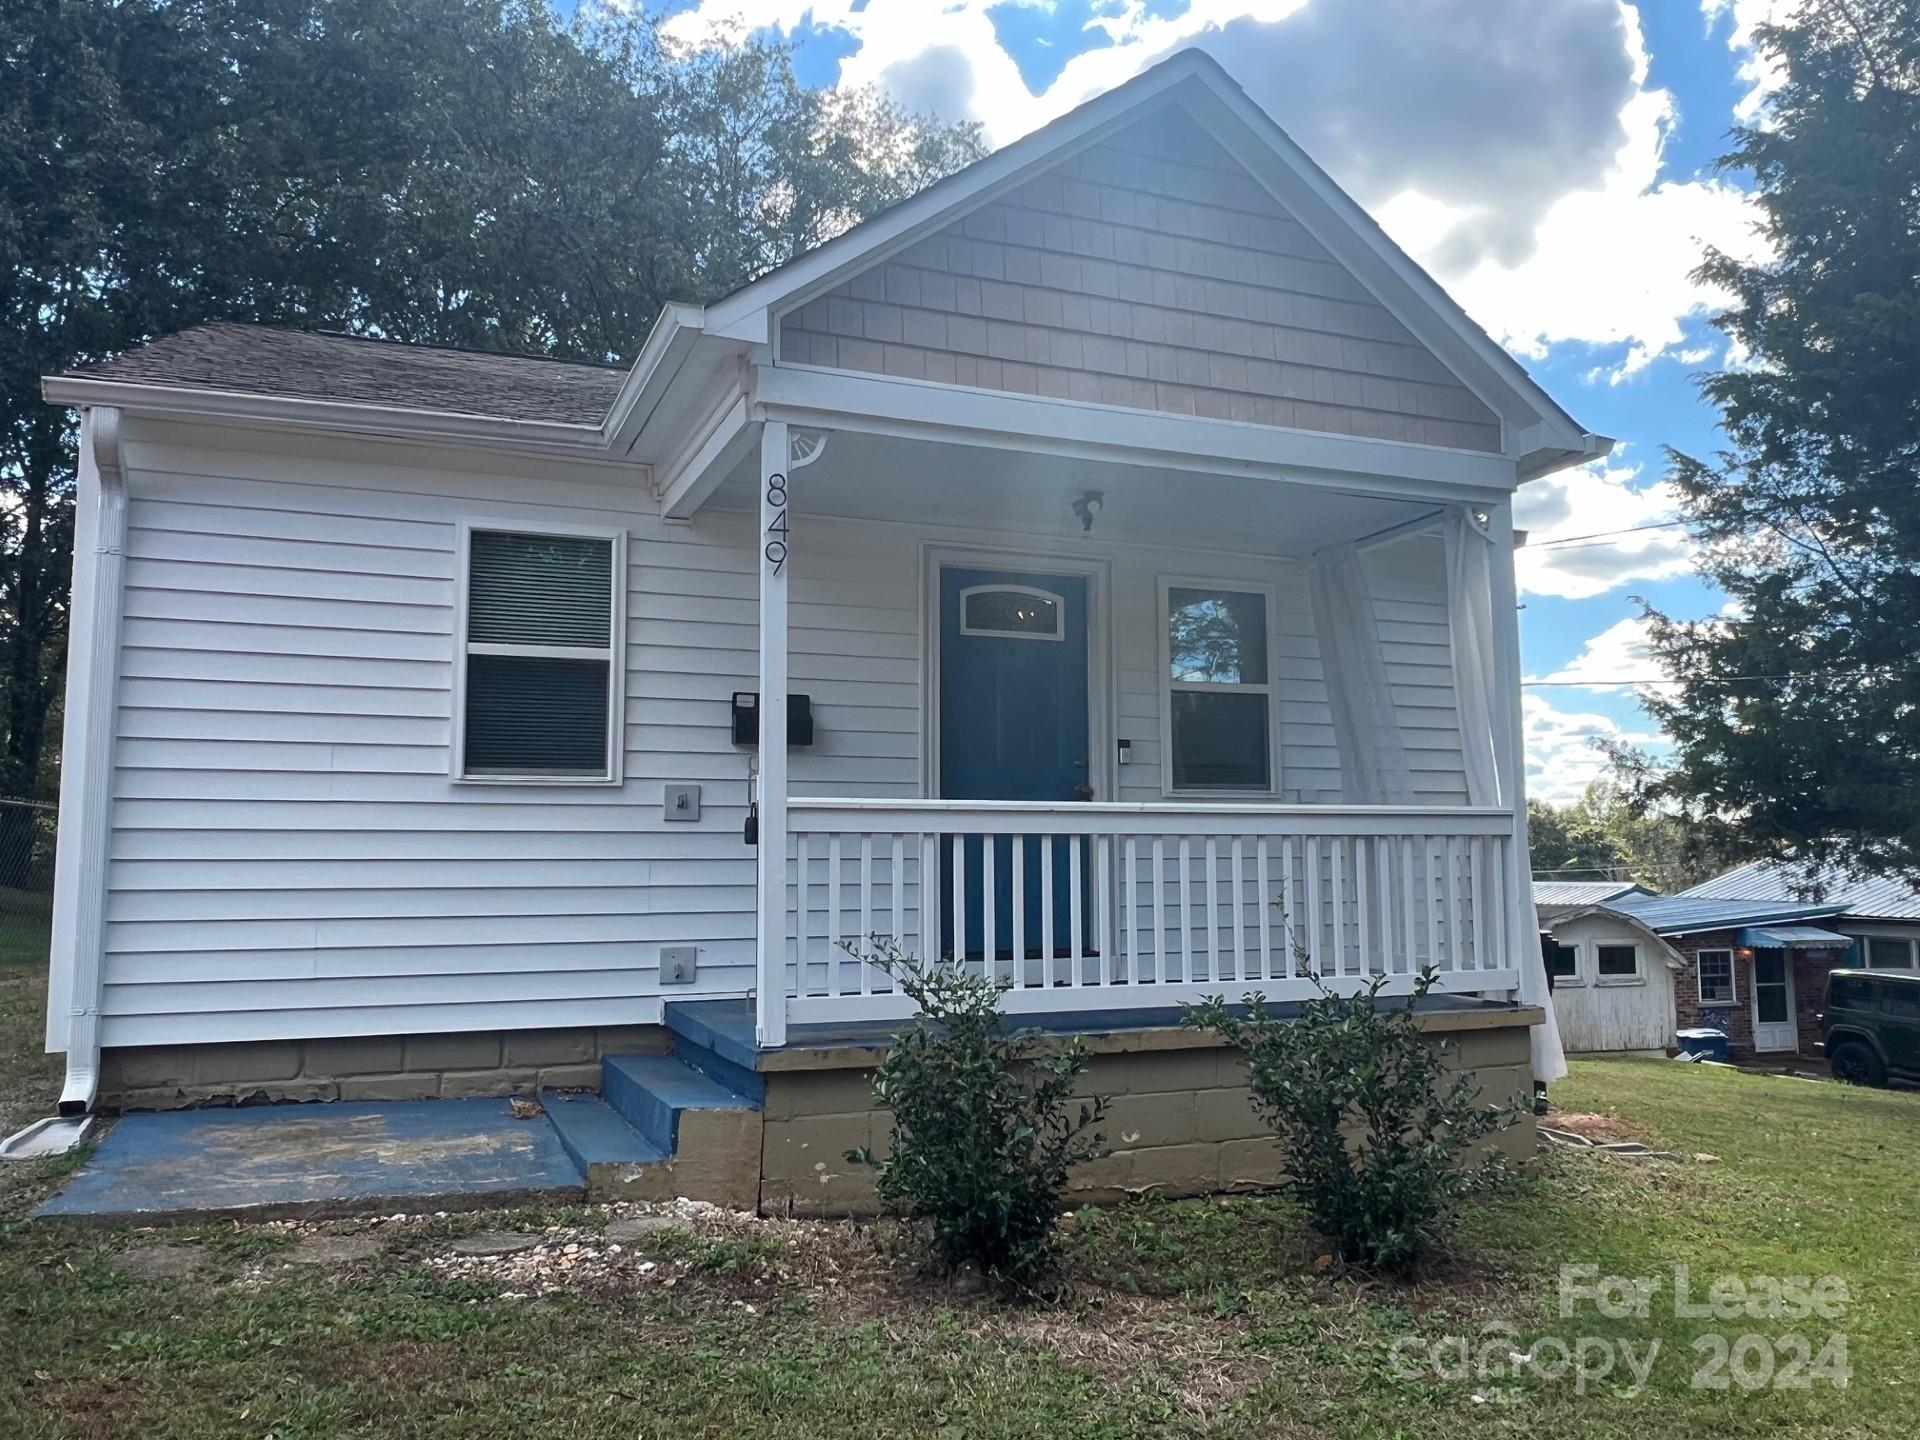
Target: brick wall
[(1810, 969), (378, 1067)]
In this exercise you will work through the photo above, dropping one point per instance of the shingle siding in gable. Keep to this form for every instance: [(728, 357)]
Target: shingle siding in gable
[(1152, 272)]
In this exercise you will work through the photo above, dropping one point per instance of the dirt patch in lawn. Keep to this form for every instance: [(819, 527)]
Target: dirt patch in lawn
[(1600, 1128)]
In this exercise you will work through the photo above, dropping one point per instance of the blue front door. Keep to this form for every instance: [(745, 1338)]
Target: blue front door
[(1013, 726)]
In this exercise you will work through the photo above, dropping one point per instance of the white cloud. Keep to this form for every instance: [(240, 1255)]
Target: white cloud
[(1512, 147), (1619, 652), (1761, 74), (1563, 757), (1599, 500), (1613, 265)]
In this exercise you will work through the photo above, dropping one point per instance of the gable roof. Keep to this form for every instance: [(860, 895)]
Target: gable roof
[(1545, 437), (352, 369), (1878, 897), (653, 412), (1583, 892)]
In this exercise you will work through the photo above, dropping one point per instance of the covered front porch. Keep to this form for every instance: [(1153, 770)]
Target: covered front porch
[(1174, 729)]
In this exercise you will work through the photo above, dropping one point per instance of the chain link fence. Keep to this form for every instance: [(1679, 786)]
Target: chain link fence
[(28, 829)]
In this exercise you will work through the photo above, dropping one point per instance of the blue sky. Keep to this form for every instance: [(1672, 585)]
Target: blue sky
[(1550, 161)]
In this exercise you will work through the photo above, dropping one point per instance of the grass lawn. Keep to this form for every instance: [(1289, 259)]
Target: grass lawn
[(1200, 1318)]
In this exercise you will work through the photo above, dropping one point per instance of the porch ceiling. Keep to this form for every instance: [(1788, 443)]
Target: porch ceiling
[(921, 482)]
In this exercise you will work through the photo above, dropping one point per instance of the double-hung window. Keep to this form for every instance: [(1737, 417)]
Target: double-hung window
[(1219, 689), (1714, 971), (539, 672)]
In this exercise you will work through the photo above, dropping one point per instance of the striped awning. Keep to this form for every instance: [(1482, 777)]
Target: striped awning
[(1791, 937)]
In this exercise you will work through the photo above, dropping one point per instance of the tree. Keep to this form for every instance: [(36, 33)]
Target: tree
[(1796, 715), (466, 172), (1607, 835), (1564, 845)]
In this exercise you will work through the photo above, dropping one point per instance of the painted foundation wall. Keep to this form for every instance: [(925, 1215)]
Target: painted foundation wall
[(1179, 1122)]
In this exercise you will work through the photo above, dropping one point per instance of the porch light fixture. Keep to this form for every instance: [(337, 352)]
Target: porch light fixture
[(1086, 505)]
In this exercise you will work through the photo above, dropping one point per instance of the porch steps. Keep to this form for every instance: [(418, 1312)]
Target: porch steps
[(594, 1133), (653, 1092)]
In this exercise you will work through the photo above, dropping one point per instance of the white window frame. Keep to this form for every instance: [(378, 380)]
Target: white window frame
[(1579, 975), (615, 651), (1169, 686), (1059, 612), (1639, 975), (1867, 938), (1733, 975)]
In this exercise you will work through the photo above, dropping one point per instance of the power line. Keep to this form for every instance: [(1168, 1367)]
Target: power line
[(1576, 541), (1723, 679)]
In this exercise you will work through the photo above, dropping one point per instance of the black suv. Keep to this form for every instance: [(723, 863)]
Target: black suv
[(1870, 1026)]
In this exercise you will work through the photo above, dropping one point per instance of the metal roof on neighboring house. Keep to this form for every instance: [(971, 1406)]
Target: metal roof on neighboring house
[(1583, 892), (1690, 914), (357, 370), (1790, 937), (1861, 897)]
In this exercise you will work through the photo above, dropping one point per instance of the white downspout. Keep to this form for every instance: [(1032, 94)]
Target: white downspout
[(86, 765)]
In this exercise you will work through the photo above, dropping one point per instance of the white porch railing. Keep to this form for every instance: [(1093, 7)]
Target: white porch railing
[(1111, 906)]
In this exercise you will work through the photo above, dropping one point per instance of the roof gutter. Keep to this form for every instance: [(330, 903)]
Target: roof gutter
[(670, 342), (333, 415), (1537, 463)]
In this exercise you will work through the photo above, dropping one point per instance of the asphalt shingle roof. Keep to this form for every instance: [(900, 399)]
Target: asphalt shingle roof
[(317, 365)]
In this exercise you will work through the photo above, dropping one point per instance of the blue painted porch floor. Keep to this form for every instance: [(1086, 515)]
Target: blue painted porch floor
[(333, 1157)]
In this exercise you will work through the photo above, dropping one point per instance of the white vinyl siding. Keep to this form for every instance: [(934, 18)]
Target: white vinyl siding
[(291, 857)]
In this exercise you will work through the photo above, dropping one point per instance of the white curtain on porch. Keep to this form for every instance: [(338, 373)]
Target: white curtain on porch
[(1470, 620), (1366, 731)]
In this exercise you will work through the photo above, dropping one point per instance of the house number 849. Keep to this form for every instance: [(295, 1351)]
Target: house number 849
[(776, 548)]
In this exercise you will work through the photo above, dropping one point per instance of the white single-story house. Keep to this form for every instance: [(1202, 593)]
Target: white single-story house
[(1746, 952), (1098, 568)]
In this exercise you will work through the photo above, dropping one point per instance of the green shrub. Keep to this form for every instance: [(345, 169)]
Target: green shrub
[(984, 1127), (1373, 1122)]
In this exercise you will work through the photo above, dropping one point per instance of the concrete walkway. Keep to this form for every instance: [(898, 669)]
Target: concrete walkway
[(277, 1161)]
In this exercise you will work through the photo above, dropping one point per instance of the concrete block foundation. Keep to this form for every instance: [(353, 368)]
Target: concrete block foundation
[(1180, 1119), (477, 1065)]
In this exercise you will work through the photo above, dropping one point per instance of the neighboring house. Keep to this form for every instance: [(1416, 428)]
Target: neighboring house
[(1613, 980), (1753, 947), (1118, 536)]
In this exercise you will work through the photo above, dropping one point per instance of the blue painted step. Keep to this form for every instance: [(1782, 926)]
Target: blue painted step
[(715, 1037), (593, 1133), (651, 1092)]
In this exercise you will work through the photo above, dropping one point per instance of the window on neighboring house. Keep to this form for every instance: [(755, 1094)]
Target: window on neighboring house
[(1714, 969), (1884, 953), (540, 656), (1617, 962), (1563, 961), (1220, 700)]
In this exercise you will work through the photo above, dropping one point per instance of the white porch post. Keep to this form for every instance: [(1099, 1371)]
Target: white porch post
[(1510, 754), (770, 1027)]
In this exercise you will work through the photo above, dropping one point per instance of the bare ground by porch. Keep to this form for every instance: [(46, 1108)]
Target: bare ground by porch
[(1189, 1318)]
